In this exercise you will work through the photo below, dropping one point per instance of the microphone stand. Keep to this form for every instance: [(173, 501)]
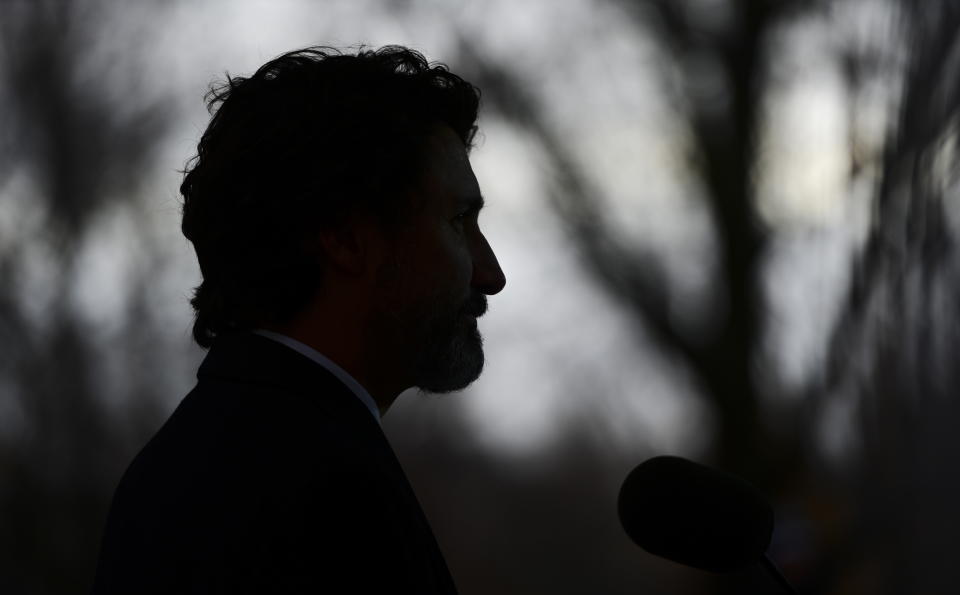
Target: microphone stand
[(772, 569)]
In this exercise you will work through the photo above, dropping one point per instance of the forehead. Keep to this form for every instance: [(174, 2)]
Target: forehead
[(447, 167)]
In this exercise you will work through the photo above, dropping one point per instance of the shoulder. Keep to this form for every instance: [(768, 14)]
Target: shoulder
[(224, 427)]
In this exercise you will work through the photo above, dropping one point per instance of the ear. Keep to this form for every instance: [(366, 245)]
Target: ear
[(352, 247), (342, 248)]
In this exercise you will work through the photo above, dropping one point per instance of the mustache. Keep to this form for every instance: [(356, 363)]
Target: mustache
[(476, 305)]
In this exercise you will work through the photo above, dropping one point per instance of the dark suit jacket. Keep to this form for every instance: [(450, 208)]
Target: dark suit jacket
[(270, 477)]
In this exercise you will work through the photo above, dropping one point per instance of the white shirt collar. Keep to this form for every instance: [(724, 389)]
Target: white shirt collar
[(327, 363)]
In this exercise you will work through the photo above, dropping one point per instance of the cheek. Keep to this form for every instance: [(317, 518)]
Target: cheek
[(461, 264), (440, 264), (450, 258)]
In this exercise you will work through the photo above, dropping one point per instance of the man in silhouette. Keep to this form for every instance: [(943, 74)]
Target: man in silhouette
[(334, 212)]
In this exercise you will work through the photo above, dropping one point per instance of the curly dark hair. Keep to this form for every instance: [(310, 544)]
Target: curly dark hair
[(313, 136)]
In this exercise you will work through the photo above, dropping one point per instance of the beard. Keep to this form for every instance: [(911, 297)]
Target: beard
[(450, 353), (436, 340)]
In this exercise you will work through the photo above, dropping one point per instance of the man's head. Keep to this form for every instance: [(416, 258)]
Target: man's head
[(330, 182), (433, 287)]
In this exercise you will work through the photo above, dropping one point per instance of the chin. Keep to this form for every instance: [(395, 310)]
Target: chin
[(461, 365)]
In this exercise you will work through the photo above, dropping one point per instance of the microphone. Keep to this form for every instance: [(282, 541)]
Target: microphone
[(697, 516)]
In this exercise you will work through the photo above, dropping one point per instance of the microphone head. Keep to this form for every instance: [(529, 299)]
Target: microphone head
[(694, 515)]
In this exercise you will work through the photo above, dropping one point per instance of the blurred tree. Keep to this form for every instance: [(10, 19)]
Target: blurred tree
[(896, 322), (896, 348), (722, 356), (73, 146)]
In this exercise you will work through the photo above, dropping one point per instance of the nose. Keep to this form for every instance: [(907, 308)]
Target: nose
[(488, 277)]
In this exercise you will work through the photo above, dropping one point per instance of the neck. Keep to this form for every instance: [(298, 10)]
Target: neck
[(341, 339)]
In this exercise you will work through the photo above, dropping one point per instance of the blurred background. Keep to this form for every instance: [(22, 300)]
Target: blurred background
[(729, 233)]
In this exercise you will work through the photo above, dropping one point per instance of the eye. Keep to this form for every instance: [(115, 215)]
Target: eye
[(460, 218), (466, 217)]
